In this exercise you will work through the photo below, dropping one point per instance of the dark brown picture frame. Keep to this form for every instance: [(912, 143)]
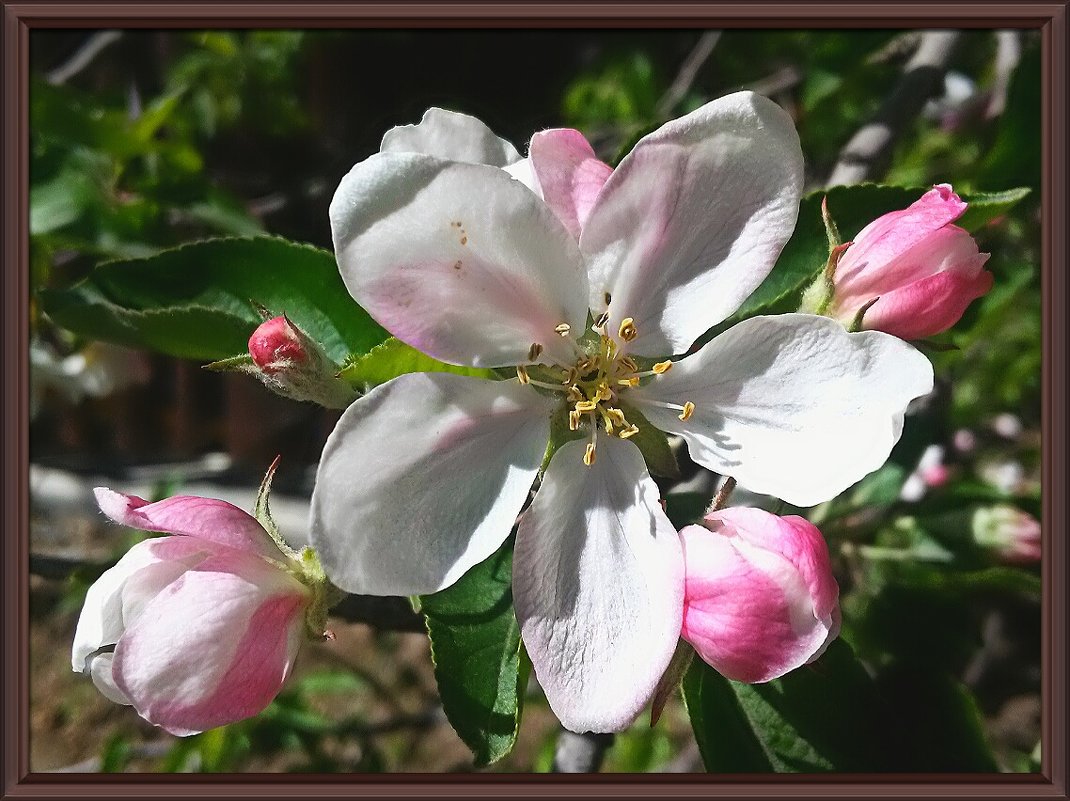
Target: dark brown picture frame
[(19, 18)]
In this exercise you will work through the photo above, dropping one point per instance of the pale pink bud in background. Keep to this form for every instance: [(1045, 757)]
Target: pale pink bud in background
[(1012, 534), (760, 597), (276, 345), (924, 270), (931, 472), (194, 630)]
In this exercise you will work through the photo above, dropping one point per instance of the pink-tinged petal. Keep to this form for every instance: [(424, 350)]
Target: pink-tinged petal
[(452, 136), (761, 599), (886, 239), (423, 478), (458, 260), (205, 518), (102, 621), (693, 219), (930, 305), (213, 647), (792, 405), (570, 175), (100, 670), (598, 586)]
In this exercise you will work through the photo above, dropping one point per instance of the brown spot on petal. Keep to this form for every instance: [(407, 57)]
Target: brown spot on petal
[(464, 240), (457, 265)]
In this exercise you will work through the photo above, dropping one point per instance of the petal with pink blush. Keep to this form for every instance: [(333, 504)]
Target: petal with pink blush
[(460, 261), (102, 619), (885, 239), (790, 405), (760, 596), (205, 518), (930, 305), (570, 175), (453, 136), (214, 646), (693, 219), (423, 478), (598, 586)]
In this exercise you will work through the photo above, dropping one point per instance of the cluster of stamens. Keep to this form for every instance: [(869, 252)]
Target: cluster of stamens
[(594, 383)]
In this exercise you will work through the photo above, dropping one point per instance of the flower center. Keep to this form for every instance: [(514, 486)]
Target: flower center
[(595, 383)]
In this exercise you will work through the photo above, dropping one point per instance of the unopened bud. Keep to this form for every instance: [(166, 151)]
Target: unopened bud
[(292, 364)]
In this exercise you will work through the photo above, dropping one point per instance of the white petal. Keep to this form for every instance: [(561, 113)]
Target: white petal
[(693, 220), (100, 671), (458, 260), (452, 136), (423, 478), (791, 405), (598, 586), (101, 621)]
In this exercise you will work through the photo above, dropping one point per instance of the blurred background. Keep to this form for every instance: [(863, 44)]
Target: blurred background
[(142, 140)]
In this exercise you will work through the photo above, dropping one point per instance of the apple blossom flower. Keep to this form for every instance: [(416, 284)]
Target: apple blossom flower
[(760, 598), (920, 269), (200, 628), (470, 254), (1014, 535), (930, 473)]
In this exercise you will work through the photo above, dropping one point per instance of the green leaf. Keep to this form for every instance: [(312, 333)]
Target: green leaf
[(194, 301), (393, 358), (821, 717), (653, 444), (939, 717), (852, 207), (479, 665)]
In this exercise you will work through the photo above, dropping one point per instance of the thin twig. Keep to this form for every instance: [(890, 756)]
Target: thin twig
[(83, 57), (1008, 54), (580, 753), (723, 494), (688, 72), (871, 147)]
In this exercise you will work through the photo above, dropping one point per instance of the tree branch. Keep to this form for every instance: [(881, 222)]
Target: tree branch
[(580, 753), (870, 148), (83, 57), (688, 72)]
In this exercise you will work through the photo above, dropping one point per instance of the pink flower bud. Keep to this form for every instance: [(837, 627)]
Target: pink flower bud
[(276, 345), (922, 271), (194, 630), (1012, 534), (292, 364), (760, 597)]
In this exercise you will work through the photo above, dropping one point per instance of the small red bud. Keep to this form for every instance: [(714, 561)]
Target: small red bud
[(275, 345)]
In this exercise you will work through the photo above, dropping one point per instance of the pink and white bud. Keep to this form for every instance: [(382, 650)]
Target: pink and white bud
[(921, 270), (1013, 535), (277, 345), (760, 597), (292, 364), (197, 629)]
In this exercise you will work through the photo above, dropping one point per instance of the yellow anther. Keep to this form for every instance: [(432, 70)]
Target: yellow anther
[(628, 364), (630, 431), (522, 374), (589, 455), (586, 406), (689, 409), (574, 394), (569, 376), (608, 423), (662, 367), (534, 351), (627, 330), (563, 329), (600, 323), (573, 420), (604, 392), (629, 382), (617, 416)]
